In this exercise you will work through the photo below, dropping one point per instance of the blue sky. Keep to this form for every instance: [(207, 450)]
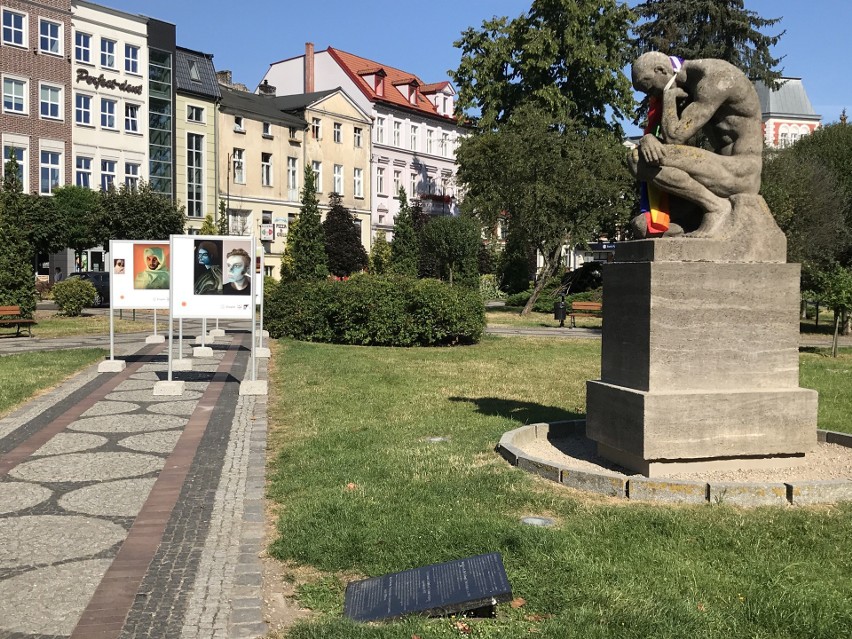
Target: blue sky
[(248, 35)]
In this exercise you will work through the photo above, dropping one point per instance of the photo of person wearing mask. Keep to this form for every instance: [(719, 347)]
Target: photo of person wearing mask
[(237, 265), (156, 273)]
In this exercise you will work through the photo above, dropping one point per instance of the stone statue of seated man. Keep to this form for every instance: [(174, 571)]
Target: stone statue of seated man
[(709, 96)]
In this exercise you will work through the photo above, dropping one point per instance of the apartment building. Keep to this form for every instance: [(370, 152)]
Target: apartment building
[(414, 132), (196, 103), (787, 112)]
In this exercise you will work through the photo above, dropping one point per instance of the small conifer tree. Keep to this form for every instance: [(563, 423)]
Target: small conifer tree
[(346, 254), (404, 248), (380, 255), (306, 242)]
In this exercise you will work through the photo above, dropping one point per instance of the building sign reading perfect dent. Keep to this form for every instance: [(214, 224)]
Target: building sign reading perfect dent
[(98, 81)]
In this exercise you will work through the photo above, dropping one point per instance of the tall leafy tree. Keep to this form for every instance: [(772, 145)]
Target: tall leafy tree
[(404, 247), (139, 213), (557, 180), (722, 29), (346, 254), (79, 210), (17, 281), (566, 56), (306, 241), (453, 242)]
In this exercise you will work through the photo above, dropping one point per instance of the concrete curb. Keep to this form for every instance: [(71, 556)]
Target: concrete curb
[(637, 488)]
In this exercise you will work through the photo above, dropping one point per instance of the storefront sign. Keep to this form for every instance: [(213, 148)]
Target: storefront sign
[(100, 81)]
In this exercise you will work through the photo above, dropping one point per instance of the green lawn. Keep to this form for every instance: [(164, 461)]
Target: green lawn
[(509, 316), (24, 376), (362, 491), (52, 325)]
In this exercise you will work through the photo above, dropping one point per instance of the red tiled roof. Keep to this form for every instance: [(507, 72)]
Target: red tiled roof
[(434, 87), (355, 66)]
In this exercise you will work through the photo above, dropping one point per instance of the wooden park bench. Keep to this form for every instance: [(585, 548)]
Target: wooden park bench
[(11, 316), (585, 309)]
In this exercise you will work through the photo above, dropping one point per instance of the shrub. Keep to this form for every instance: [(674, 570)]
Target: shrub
[(72, 295), (488, 288), (544, 303), (380, 311)]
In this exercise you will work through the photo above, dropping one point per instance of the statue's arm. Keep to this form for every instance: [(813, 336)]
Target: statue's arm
[(678, 129)]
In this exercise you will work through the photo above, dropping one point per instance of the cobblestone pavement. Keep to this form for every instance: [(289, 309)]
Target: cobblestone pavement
[(128, 515)]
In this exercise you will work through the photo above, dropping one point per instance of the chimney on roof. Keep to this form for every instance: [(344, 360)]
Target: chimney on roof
[(266, 89), (224, 77), (309, 67)]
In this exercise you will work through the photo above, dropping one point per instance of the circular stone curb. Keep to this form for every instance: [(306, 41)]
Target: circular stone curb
[(603, 482)]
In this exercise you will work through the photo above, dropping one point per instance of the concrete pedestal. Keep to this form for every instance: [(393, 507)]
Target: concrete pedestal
[(699, 361), (112, 366), (155, 339)]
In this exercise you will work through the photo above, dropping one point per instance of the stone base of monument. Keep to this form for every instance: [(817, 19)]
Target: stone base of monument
[(699, 360)]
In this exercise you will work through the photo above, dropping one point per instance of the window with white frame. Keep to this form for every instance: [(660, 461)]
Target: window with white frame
[(50, 102), (14, 28), (397, 133), (316, 167), (50, 170), (316, 128), (131, 175), (430, 138), (83, 47), (380, 180), (194, 113), (194, 174), (413, 135), (14, 95), (131, 118), (83, 172), (338, 179), (20, 153), (108, 113), (238, 124), (444, 143), (380, 130), (412, 185), (358, 182), (107, 53), (338, 132), (131, 59), (356, 135), (49, 36), (292, 180), (83, 109), (266, 169), (239, 166), (267, 129), (397, 182), (107, 174)]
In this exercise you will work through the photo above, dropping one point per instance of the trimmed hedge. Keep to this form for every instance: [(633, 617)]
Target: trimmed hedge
[(545, 301), (72, 295), (376, 311)]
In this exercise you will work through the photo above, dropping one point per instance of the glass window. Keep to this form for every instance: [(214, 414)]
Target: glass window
[(194, 75), (238, 124), (83, 176), (397, 133), (194, 175), (108, 113), (14, 95), (317, 169), (50, 37), (131, 175), (356, 134), (412, 186), (338, 132), (397, 182), (380, 180), (338, 179), (131, 58), (430, 134), (107, 174), (358, 182), (267, 129), (131, 118), (413, 137), (50, 102), (107, 53), (51, 161), (239, 167), (444, 139), (292, 183), (316, 128), (194, 113), (266, 169), (83, 47), (14, 31), (380, 130), (20, 153)]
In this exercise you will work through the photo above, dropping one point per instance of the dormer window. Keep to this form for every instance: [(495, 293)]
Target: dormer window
[(194, 75), (409, 88), (375, 79)]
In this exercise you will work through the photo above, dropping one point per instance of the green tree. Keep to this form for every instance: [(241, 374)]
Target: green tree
[(306, 241), (556, 179), (223, 226), (454, 244), (722, 29), (138, 214), (380, 254), (79, 210), (17, 280), (835, 286), (208, 227), (343, 248), (516, 265), (404, 247), (566, 56)]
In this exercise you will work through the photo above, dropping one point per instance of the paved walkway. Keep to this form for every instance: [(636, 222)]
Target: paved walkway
[(128, 515)]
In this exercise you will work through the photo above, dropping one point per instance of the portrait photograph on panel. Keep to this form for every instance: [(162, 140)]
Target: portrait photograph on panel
[(118, 267), (237, 270), (208, 267), (151, 266)]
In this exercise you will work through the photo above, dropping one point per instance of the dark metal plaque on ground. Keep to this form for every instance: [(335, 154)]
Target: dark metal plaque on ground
[(439, 589)]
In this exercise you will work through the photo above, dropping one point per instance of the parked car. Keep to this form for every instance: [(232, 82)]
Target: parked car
[(100, 280)]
